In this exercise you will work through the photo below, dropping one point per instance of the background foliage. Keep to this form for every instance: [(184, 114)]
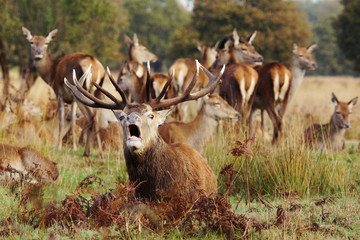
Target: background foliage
[(170, 30)]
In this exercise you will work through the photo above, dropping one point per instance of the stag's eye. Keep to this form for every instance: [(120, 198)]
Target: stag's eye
[(121, 118), (151, 116)]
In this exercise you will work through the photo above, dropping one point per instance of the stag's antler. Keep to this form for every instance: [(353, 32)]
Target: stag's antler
[(156, 103), (88, 99)]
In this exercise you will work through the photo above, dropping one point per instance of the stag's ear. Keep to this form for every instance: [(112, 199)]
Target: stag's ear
[(352, 102), (334, 99), (27, 34), (162, 115)]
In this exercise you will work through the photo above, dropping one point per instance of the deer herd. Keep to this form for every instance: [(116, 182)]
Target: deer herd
[(166, 157)]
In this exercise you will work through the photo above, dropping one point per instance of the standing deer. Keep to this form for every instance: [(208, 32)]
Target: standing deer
[(132, 76), (239, 79), (26, 162), (184, 69), (156, 166), (330, 136), (277, 84), (53, 73), (198, 132)]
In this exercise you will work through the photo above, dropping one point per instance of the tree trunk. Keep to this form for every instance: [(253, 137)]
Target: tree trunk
[(5, 73)]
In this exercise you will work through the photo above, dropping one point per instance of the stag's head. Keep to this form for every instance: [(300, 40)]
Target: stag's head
[(302, 57), (244, 51), (137, 51), (342, 111), (39, 44)]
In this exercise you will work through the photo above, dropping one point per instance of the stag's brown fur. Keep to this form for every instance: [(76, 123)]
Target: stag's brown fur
[(25, 160), (159, 167)]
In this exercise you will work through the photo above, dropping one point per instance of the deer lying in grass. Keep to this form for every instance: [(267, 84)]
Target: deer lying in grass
[(330, 136), (277, 84), (25, 162), (197, 132), (156, 166)]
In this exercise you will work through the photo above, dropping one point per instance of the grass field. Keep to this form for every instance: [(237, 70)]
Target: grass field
[(294, 192)]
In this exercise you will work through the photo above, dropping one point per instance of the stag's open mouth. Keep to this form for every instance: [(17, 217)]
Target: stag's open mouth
[(38, 56), (134, 133)]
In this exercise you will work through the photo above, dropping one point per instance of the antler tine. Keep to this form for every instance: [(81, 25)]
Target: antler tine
[(166, 86), (186, 96), (88, 99), (148, 83), (213, 82), (117, 87)]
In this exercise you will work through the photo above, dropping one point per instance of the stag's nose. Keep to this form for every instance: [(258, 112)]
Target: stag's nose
[(347, 125), (132, 118)]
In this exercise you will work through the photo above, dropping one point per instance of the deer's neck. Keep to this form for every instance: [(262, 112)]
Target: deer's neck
[(336, 133), (297, 74), (202, 128), (207, 61), (44, 67)]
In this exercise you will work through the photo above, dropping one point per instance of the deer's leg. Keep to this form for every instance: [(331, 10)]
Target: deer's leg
[(276, 120), (73, 124), (88, 128), (61, 120)]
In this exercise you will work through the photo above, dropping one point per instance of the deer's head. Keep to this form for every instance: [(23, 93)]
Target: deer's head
[(137, 51), (39, 44), (342, 111), (244, 51), (302, 57)]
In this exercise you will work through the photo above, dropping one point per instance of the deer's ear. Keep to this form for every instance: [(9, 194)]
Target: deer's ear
[(311, 47), (250, 38), (127, 40), (162, 115), (295, 48), (27, 33), (352, 102), (334, 99), (51, 35)]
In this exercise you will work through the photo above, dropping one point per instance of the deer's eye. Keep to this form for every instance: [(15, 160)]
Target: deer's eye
[(243, 49), (151, 116)]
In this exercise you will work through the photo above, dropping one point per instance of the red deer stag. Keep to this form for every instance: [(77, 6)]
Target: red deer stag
[(277, 84), (198, 132), (53, 73), (330, 136), (25, 162), (156, 166)]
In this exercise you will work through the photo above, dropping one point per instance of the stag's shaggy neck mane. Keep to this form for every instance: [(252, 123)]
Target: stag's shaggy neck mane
[(160, 168)]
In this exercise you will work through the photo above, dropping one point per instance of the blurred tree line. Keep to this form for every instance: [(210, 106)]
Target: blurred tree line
[(330, 58), (167, 29)]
